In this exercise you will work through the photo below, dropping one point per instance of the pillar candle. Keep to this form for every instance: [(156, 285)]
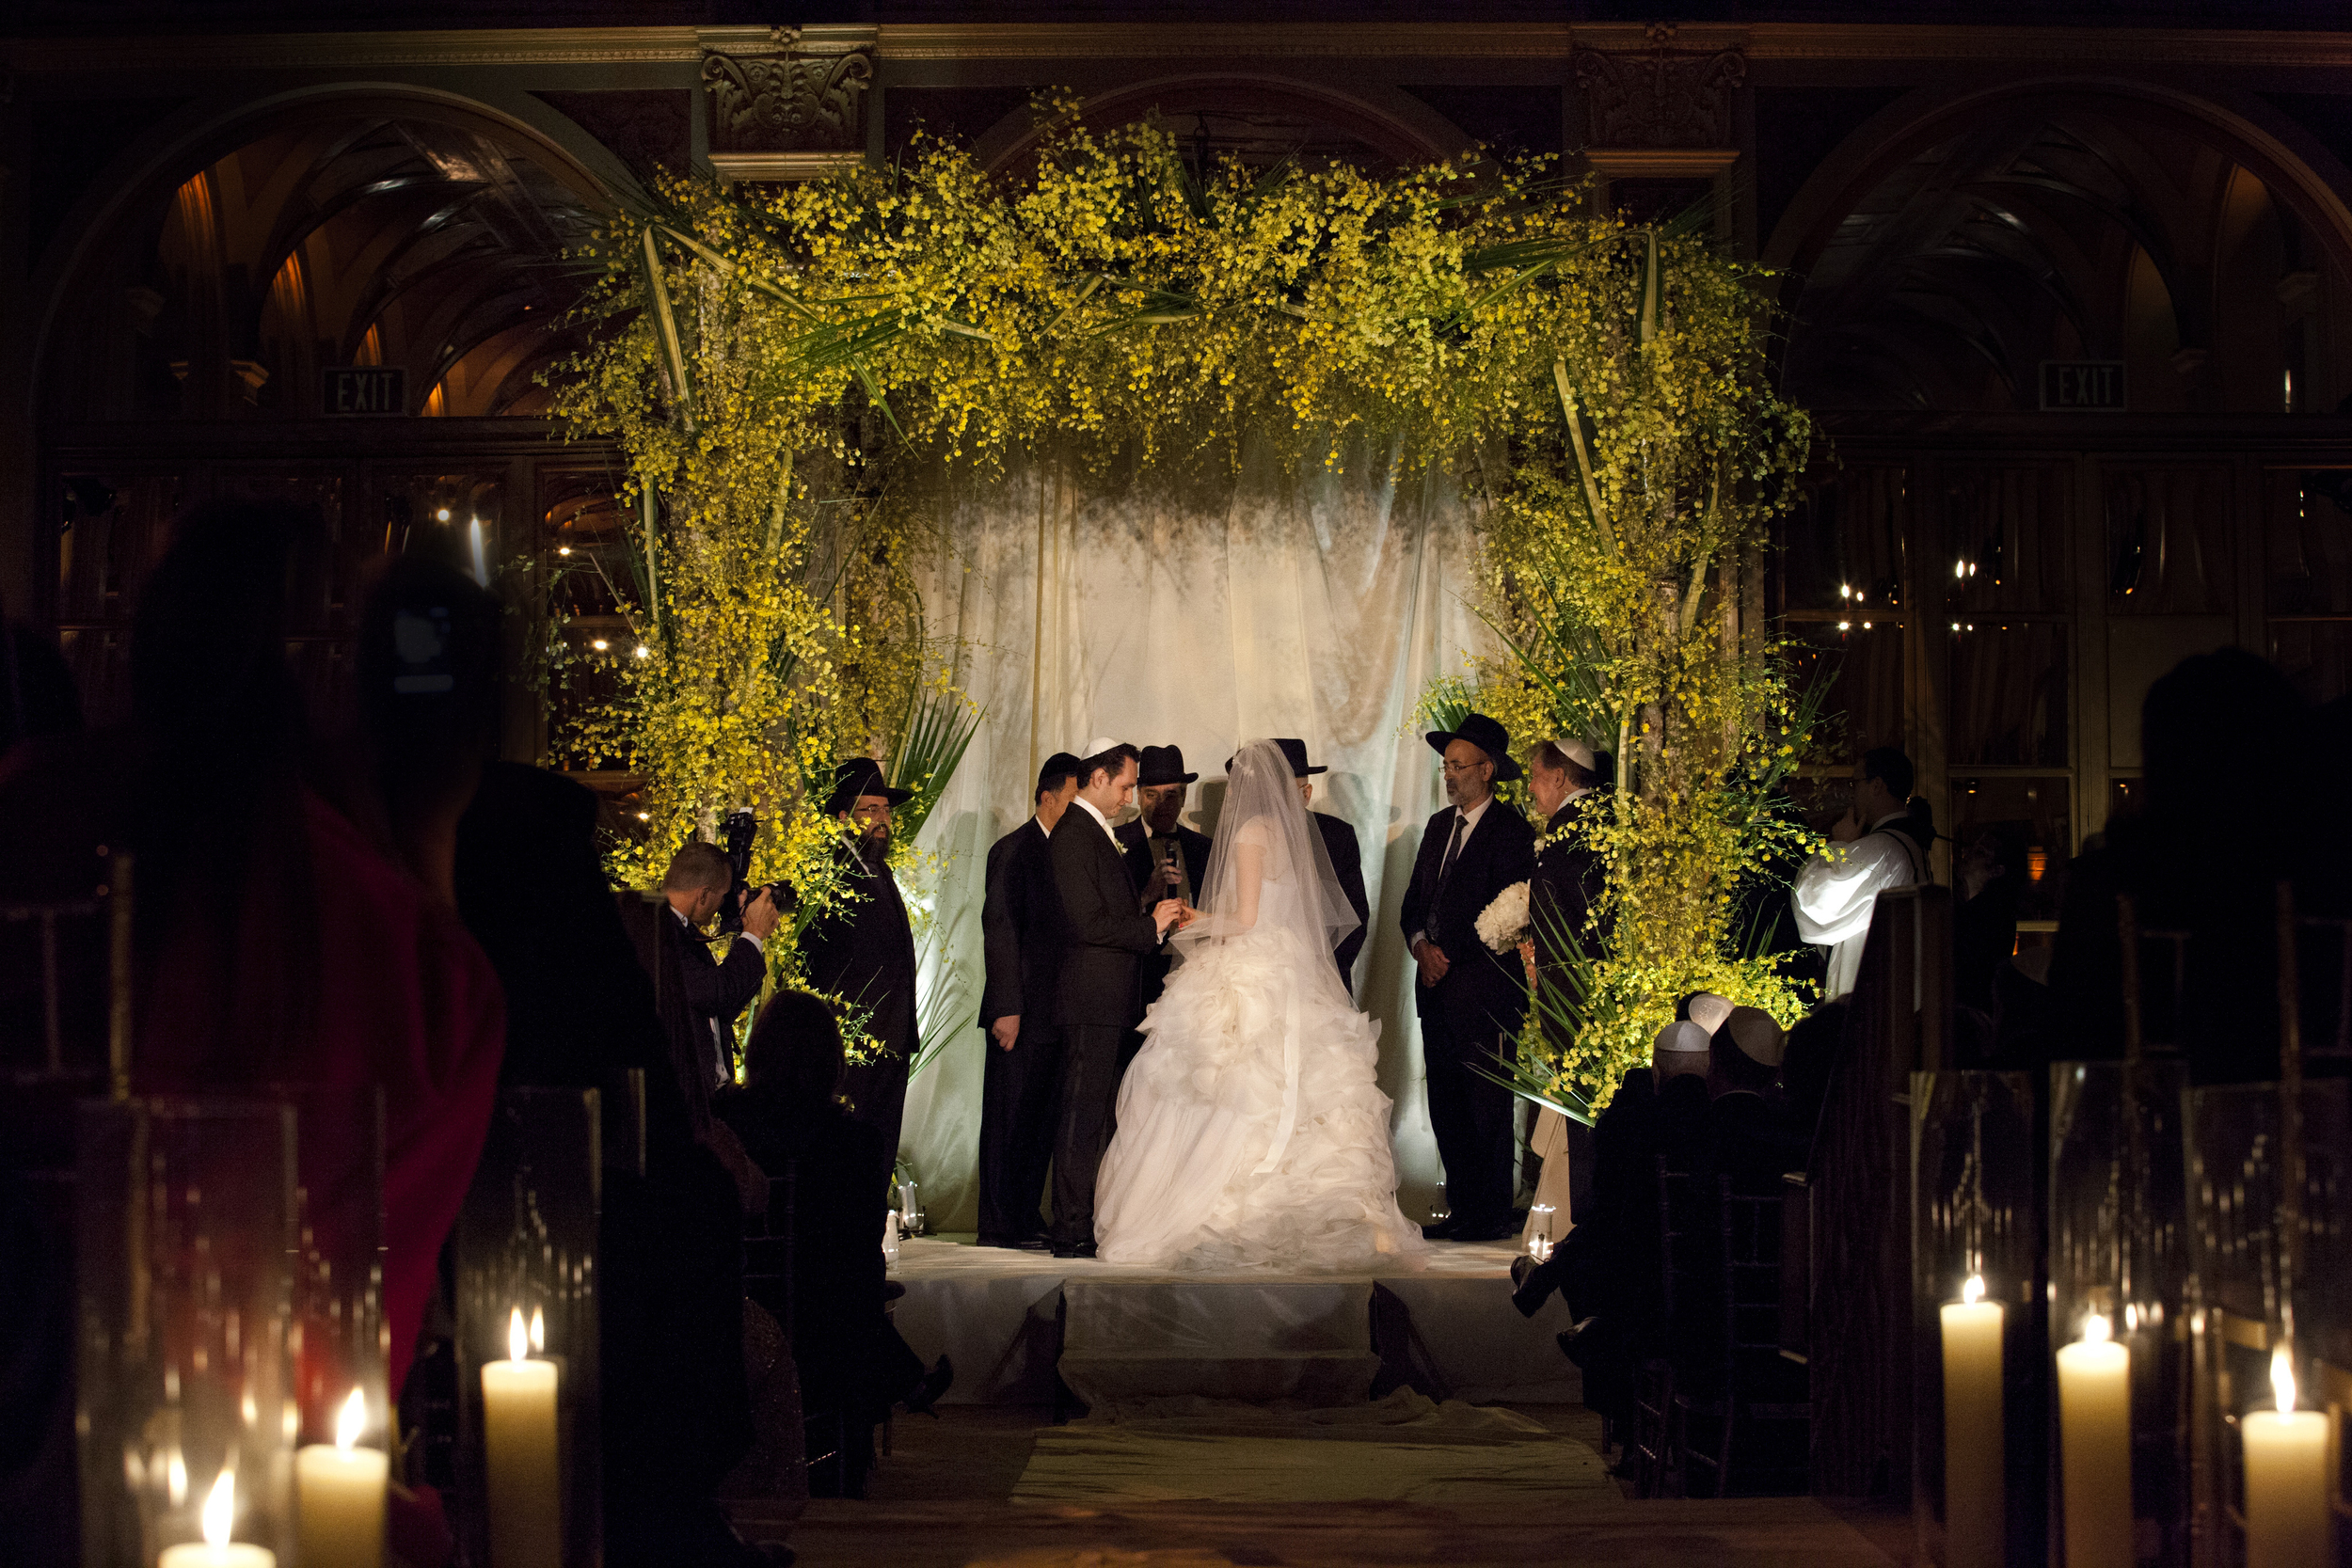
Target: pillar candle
[(2287, 1522), (1974, 1501), (2095, 1448), (216, 1550), (338, 1496), (518, 1434)]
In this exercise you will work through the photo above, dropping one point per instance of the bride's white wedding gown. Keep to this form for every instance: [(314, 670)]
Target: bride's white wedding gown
[(1250, 1132)]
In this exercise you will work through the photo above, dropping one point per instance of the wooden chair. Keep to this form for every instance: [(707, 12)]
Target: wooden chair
[(1735, 1379), (1650, 1444)]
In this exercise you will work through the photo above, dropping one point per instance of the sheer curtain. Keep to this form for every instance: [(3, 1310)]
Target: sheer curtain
[(1319, 606)]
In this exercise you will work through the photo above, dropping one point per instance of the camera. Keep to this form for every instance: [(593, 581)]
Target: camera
[(737, 831)]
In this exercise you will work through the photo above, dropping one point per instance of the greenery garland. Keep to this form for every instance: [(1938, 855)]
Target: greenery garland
[(777, 364)]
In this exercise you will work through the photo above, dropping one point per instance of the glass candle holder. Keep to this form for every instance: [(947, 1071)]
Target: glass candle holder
[(184, 1250), (2237, 1291), (1978, 1337), (2119, 1278), (528, 1336)]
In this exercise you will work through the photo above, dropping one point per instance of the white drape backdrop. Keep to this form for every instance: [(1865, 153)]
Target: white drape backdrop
[(1318, 607)]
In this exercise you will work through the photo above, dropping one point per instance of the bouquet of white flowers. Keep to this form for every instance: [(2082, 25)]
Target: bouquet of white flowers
[(1503, 925)]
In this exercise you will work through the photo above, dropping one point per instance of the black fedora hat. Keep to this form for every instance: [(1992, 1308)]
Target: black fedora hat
[(1163, 765), (857, 777), (1296, 752), (1487, 736)]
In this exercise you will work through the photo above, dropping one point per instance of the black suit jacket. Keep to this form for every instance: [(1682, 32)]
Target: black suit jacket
[(716, 991), (1347, 864), (1566, 885), (1483, 993), (863, 951), (1110, 936), (1021, 923), (1134, 842)]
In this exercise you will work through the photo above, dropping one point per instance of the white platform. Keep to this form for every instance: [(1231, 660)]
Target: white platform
[(1123, 1333)]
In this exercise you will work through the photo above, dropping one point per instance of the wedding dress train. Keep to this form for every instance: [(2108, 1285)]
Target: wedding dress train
[(1251, 1133)]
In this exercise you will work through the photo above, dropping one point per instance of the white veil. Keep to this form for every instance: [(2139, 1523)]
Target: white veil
[(1265, 845)]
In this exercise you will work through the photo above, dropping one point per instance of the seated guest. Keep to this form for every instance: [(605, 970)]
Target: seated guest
[(695, 885), (1682, 1056), (276, 942), (1807, 1063), (1882, 841), (1749, 1137), (788, 1113)]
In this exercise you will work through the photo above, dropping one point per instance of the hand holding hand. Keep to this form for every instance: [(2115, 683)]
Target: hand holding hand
[(1006, 1030), (1165, 913), (760, 914)]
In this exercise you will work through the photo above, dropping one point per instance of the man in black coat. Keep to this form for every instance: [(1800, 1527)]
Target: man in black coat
[(1563, 776), (695, 885), (1101, 976), (1168, 859), (1470, 999), (862, 949), (1347, 859), (1021, 1016)]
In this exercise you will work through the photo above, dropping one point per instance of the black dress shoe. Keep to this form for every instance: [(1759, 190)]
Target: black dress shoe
[(1520, 1266), (1074, 1249), (927, 1392), (1441, 1231)]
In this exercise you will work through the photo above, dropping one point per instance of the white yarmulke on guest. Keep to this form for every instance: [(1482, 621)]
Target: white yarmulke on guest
[(1681, 1048), (1577, 752), (1757, 1036), (1100, 744), (1708, 1010)]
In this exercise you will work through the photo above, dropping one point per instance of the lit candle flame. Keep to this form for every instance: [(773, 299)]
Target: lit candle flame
[(219, 1510), (518, 1338), (538, 1329), (1973, 1291), (2283, 1380), (351, 1422), (2097, 1330)]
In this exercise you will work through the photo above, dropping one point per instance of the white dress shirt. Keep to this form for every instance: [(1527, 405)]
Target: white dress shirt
[(1470, 816), (1835, 892), (1101, 821)]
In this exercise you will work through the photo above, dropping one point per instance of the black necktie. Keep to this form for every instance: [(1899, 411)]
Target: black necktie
[(1445, 867)]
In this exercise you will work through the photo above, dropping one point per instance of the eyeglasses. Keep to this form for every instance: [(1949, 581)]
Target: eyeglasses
[(1456, 769)]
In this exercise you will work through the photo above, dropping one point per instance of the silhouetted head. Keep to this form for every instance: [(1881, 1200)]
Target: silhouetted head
[(796, 1047)]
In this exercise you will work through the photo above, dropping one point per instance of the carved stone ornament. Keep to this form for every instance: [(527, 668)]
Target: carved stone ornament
[(1663, 97), (802, 98)]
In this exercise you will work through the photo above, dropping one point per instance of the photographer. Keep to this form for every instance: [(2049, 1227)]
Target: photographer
[(696, 885)]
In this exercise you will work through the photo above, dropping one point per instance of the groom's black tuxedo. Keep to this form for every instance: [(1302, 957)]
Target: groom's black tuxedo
[(1101, 973), (1482, 999)]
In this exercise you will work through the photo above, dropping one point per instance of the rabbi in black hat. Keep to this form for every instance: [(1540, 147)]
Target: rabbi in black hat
[(862, 949), (1471, 999), (1347, 859), (1166, 859)]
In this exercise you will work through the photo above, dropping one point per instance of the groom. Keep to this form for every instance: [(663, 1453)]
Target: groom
[(1101, 973), (1470, 1000)]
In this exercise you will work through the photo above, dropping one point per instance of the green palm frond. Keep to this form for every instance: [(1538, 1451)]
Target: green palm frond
[(932, 738)]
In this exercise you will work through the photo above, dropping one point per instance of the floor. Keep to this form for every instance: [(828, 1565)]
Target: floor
[(946, 1497)]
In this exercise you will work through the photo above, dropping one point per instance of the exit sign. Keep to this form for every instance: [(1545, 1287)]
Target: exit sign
[(364, 389), (2082, 385)]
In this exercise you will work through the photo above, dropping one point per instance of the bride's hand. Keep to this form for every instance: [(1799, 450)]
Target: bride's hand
[(1185, 915)]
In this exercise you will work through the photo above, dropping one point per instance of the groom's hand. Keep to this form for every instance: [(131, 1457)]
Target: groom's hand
[(1164, 913), (1434, 962), (1006, 1030)]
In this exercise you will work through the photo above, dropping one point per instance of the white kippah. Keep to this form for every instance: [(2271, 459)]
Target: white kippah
[(1100, 744), (1577, 752), (1708, 1010), (1757, 1036), (1681, 1037)]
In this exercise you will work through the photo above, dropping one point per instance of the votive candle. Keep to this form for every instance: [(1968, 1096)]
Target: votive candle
[(518, 1434), (338, 1496), (216, 1550)]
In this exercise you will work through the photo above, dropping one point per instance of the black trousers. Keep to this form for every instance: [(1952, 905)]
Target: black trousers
[(877, 1093), (1020, 1112), (1090, 1098), (1470, 1116)]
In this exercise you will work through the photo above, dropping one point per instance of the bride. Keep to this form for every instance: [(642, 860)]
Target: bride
[(1250, 1131)]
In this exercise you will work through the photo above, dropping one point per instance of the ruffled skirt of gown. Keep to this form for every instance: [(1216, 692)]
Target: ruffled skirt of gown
[(1252, 1131)]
